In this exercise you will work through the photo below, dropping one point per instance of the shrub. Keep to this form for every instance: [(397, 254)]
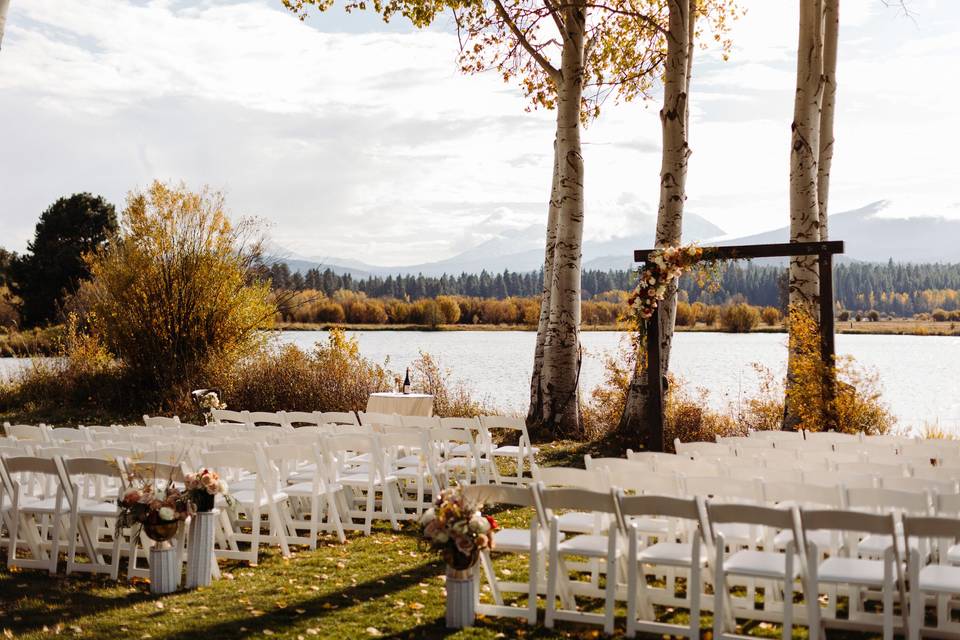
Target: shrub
[(685, 315), (940, 315), (739, 318), (874, 315), (174, 296), (858, 404), (449, 309), (332, 377), (771, 316), (844, 316), (710, 315)]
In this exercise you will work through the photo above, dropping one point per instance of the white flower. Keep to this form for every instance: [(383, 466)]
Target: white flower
[(479, 524), (692, 251), (441, 536), (428, 516), (222, 487), (166, 513)]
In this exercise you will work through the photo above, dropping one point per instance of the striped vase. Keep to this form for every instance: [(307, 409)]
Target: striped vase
[(164, 569), (461, 598), (200, 550)]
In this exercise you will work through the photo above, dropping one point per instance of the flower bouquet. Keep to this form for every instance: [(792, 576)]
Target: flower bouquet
[(208, 400), (458, 529), (158, 510), (202, 488)]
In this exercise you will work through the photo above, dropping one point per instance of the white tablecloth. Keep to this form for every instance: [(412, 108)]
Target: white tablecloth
[(405, 404)]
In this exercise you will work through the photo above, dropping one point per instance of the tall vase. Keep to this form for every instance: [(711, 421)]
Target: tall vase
[(461, 598), (164, 569), (200, 549)]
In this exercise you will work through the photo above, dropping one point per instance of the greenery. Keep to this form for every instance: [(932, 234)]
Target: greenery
[(384, 585), (173, 296), (54, 264)]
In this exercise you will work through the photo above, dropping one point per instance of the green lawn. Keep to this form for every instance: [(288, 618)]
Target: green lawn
[(385, 585)]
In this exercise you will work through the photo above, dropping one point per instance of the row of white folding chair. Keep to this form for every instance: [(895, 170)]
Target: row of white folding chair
[(48, 502), (729, 560), (289, 419)]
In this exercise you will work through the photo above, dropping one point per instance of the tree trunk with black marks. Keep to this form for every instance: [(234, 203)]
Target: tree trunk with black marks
[(559, 379), (674, 121), (804, 170)]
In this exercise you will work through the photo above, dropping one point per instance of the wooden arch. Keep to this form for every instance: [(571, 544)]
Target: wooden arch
[(824, 252)]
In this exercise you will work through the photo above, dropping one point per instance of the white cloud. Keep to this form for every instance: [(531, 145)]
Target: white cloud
[(363, 141)]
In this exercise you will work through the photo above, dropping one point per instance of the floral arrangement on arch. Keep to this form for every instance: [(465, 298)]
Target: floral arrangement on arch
[(458, 529), (663, 265)]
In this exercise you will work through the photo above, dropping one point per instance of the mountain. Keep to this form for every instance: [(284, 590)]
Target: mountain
[(518, 250), (868, 236)]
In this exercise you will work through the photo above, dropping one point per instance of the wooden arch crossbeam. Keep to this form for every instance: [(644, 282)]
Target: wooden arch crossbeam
[(824, 252)]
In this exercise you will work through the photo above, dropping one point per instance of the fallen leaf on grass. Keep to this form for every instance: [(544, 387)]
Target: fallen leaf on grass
[(416, 606), (373, 631)]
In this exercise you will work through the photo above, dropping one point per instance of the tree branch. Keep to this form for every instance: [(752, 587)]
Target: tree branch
[(548, 68)]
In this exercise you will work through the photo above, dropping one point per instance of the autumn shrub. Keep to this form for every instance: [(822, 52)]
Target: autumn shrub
[(685, 315), (858, 405), (874, 315), (771, 316), (174, 296), (940, 315), (333, 376), (710, 314), (82, 383), (449, 309), (843, 316), (739, 317)]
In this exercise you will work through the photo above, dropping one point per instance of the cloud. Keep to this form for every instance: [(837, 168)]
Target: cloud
[(362, 140)]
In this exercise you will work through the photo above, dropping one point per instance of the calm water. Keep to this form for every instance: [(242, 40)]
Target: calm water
[(920, 375)]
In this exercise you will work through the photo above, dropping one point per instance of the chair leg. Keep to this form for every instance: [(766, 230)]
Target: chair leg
[(553, 570), (633, 569), (694, 591), (719, 591)]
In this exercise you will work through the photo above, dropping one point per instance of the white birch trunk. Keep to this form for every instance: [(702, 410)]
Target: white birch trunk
[(535, 413), (674, 120), (4, 8), (561, 358), (831, 34), (804, 154)]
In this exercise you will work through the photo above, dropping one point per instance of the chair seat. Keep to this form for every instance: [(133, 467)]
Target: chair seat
[(875, 544), (362, 479), (761, 564), (514, 540), (587, 545), (821, 537), (409, 461), (851, 571), (940, 578), (651, 525), (305, 489), (953, 554), (97, 508), (738, 533), (512, 450), (246, 498), (41, 505), (577, 522), (676, 554)]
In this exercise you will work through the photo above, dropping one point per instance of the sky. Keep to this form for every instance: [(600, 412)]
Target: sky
[(358, 140)]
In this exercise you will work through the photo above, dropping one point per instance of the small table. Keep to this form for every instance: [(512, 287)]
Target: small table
[(405, 404)]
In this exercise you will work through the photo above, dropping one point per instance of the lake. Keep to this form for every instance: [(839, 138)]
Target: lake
[(920, 375)]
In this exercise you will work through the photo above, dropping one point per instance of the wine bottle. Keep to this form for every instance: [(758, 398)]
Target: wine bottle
[(406, 382)]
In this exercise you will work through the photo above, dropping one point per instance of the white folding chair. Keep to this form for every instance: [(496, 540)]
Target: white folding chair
[(861, 577), (301, 419), (592, 546), (157, 473), (364, 479), (230, 417), (531, 542), (805, 496), (94, 485), (703, 449), (774, 568), (338, 417), (64, 435), (313, 501), (775, 435), (522, 454), (161, 421), (372, 419), (936, 581), (30, 432), (35, 519), (267, 419), (665, 557), (885, 501)]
